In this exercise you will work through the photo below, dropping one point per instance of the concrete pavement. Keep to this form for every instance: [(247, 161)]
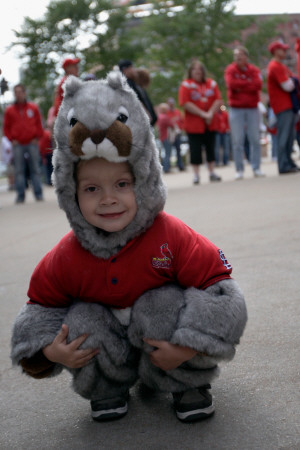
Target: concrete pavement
[(256, 223)]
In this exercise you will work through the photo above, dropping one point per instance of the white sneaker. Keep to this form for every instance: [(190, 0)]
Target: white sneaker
[(259, 173), (239, 175)]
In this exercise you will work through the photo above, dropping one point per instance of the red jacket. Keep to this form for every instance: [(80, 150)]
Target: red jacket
[(22, 122), (168, 252), (243, 86)]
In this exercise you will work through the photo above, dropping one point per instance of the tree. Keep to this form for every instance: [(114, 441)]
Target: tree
[(163, 41)]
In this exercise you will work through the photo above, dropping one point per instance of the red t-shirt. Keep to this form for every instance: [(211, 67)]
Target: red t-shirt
[(243, 85), (202, 95), (168, 252), (278, 73)]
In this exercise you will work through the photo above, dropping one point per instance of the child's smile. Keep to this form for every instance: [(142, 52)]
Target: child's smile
[(105, 194)]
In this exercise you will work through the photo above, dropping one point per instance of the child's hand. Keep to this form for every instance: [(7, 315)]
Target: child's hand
[(169, 356), (68, 354)]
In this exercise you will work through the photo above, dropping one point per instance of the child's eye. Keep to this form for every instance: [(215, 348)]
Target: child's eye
[(124, 184), (90, 189)]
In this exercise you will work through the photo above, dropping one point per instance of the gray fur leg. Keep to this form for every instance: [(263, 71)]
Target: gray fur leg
[(115, 367), (34, 328), (209, 321)]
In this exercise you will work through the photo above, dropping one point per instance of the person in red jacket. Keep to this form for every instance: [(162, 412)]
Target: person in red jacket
[(280, 85), (200, 98), (70, 67), (22, 125), (244, 83)]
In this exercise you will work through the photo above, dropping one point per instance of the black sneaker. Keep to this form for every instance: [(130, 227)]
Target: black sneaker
[(194, 404), (109, 408)]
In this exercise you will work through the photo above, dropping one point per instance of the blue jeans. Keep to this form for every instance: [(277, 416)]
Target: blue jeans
[(34, 157), (176, 144), (245, 121), (166, 162), (222, 140), (285, 139)]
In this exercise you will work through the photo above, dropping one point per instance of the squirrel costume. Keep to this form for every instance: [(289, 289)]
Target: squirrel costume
[(154, 279)]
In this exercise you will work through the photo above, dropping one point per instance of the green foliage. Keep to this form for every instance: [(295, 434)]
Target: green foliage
[(163, 42)]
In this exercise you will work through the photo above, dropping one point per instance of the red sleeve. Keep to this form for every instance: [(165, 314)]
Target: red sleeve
[(38, 123), (184, 94), (198, 262), (51, 284)]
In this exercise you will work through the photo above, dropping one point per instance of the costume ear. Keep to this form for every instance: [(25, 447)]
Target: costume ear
[(116, 80), (71, 85)]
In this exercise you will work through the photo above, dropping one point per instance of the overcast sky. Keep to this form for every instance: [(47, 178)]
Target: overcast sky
[(12, 16)]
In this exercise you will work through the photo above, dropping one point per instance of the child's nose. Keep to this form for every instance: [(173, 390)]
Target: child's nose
[(107, 197)]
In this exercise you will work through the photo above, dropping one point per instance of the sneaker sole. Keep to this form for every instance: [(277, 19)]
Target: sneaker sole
[(196, 414), (109, 414)]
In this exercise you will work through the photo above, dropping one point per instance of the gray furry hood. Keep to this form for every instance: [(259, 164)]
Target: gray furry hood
[(104, 118)]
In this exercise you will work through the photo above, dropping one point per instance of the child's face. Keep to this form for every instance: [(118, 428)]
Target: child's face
[(105, 194)]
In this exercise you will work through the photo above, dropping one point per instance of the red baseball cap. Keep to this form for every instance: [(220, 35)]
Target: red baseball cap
[(70, 62), (277, 45)]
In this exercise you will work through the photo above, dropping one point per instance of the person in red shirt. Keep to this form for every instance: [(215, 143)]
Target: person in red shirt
[(200, 98), (222, 136), (280, 85), (22, 125), (165, 126), (130, 292), (244, 83), (70, 66), (176, 134)]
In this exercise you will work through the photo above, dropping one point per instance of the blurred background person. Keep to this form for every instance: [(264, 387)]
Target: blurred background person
[(222, 140), (133, 79), (175, 133), (164, 125), (22, 125), (200, 98), (244, 83), (280, 86), (70, 66), (7, 160)]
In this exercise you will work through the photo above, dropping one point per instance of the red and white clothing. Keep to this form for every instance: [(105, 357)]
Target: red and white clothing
[(243, 85), (168, 252), (280, 100), (164, 124), (22, 122), (203, 95)]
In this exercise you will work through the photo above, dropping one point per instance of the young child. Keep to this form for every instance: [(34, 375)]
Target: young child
[(130, 292)]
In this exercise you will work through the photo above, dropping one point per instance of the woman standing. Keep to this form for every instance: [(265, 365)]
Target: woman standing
[(200, 98)]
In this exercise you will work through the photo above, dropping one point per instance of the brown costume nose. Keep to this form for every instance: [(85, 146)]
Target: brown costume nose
[(97, 136)]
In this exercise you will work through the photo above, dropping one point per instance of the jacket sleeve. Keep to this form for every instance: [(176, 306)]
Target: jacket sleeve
[(35, 327)]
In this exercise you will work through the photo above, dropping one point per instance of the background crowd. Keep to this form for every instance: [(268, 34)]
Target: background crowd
[(216, 130)]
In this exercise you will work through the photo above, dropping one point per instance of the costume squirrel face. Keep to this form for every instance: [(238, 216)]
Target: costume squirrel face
[(105, 119)]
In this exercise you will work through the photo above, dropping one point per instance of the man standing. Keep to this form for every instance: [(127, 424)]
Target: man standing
[(22, 125), (280, 86), (126, 67), (70, 67), (244, 83)]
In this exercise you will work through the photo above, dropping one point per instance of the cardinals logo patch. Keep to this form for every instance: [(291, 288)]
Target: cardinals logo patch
[(165, 261)]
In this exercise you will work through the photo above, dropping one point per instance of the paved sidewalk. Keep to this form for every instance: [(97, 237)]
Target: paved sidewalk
[(257, 396)]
